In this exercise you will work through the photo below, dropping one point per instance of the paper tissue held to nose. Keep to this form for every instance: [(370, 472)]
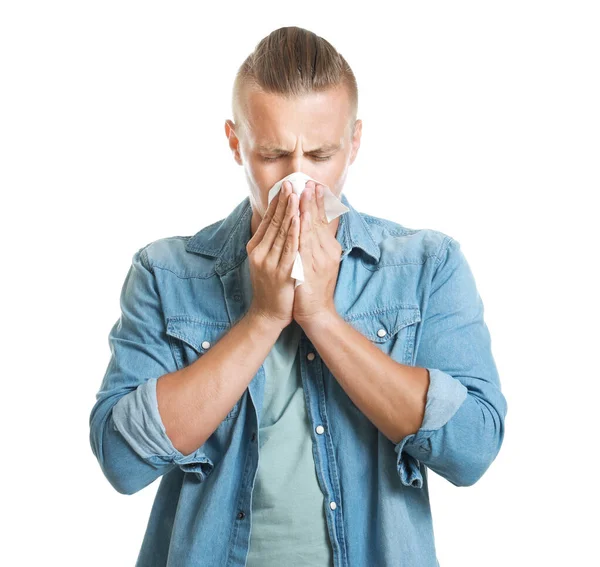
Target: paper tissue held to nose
[(333, 209)]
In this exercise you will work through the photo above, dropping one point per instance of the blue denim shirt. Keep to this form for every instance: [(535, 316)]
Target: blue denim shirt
[(410, 292)]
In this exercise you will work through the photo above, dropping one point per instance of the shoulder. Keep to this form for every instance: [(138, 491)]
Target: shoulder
[(401, 244), (170, 253)]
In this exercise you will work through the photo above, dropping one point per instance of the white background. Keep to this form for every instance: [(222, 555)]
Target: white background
[(481, 119)]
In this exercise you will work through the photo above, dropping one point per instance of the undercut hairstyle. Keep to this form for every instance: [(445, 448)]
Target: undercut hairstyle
[(290, 62)]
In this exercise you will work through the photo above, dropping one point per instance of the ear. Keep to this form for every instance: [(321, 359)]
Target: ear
[(234, 142), (357, 133)]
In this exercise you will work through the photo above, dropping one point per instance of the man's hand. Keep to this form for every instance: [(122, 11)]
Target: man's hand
[(271, 252), (320, 253)]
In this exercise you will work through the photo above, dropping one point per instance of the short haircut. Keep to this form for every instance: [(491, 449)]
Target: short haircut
[(293, 61)]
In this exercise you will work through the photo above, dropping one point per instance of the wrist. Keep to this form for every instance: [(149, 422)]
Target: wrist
[(323, 320), (266, 323)]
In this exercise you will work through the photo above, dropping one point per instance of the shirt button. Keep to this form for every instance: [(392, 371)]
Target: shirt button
[(205, 344), (310, 356), (381, 333), (320, 429), (333, 505)]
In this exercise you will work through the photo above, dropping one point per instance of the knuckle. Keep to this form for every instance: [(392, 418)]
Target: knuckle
[(255, 257), (269, 264), (276, 221)]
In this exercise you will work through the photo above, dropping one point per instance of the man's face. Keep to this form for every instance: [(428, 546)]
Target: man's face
[(309, 134)]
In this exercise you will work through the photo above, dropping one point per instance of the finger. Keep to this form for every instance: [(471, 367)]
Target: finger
[(281, 238), (305, 244), (277, 218), (290, 248), (258, 235), (316, 223), (304, 199), (320, 203), (319, 223)]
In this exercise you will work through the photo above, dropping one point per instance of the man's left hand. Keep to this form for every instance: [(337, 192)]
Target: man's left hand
[(320, 253)]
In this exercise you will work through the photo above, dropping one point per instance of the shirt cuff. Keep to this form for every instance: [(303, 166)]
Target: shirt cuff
[(137, 418), (444, 396)]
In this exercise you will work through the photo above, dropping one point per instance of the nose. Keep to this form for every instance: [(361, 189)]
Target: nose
[(296, 163), (300, 163)]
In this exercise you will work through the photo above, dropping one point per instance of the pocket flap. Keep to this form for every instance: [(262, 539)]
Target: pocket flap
[(197, 333), (379, 325)]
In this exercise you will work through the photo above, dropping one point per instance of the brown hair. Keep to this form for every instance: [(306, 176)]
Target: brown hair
[(293, 61)]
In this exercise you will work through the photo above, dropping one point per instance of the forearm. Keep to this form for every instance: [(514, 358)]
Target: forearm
[(390, 394), (193, 401)]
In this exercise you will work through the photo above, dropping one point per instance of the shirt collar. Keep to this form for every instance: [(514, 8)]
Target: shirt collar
[(226, 239)]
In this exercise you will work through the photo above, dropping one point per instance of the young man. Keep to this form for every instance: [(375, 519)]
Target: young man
[(296, 423)]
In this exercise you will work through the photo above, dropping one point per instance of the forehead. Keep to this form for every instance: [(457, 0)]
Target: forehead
[(317, 117)]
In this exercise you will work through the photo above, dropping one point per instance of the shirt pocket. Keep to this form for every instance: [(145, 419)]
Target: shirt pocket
[(391, 329), (190, 338)]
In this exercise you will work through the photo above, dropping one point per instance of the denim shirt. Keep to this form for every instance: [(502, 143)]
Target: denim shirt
[(408, 291)]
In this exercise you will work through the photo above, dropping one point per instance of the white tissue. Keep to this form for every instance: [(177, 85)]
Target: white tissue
[(333, 209)]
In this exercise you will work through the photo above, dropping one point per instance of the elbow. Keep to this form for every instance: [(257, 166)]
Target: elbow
[(110, 466), (462, 451), (468, 472), (126, 471), (461, 469), (123, 484), (475, 461)]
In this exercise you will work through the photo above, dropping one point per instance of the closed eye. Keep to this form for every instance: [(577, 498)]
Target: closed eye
[(317, 158)]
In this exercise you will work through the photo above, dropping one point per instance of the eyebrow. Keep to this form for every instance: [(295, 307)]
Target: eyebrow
[(273, 148)]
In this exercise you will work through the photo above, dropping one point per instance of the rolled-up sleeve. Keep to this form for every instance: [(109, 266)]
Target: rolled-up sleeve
[(127, 435), (463, 426)]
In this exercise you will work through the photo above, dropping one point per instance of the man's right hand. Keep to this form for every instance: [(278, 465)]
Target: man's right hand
[(271, 252)]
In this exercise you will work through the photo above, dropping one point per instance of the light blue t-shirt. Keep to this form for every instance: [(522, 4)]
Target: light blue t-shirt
[(288, 509)]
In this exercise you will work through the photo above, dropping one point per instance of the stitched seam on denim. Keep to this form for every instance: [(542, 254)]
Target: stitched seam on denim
[(410, 342), (381, 310), (447, 240), (390, 229), (233, 266), (188, 339), (407, 263), (206, 250), (366, 226), (144, 258), (237, 225), (185, 275), (144, 255), (206, 322)]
